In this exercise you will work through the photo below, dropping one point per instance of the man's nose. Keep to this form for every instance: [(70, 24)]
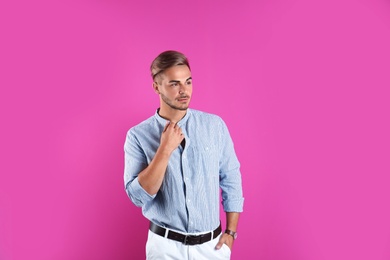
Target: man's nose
[(182, 88)]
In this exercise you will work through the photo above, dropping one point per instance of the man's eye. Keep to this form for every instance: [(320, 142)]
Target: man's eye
[(189, 82), (174, 85)]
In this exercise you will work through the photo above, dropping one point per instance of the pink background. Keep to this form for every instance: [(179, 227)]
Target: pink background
[(303, 86)]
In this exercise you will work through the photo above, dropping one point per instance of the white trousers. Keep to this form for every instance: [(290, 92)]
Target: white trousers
[(161, 248)]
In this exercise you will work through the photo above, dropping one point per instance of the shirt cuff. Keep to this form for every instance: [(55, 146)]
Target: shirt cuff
[(137, 194), (233, 205)]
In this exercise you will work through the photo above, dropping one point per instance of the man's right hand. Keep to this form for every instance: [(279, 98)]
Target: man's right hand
[(152, 176), (171, 137)]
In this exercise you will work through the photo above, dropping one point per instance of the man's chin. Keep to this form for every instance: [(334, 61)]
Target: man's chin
[(182, 107)]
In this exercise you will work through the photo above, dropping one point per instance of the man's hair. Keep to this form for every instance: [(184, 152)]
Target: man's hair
[(166, 60)]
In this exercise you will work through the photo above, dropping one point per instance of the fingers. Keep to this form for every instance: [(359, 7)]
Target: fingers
[(219, 245), (171, 136), (166, 126), (225, 239), (174, 126), (170, 124)]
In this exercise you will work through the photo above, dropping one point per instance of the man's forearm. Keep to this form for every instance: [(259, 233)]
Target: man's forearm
[(152, 176), (231, 224), (232, 220)]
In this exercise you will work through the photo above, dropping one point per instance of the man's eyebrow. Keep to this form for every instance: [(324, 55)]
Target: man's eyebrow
[(178, 81), (174, 81)]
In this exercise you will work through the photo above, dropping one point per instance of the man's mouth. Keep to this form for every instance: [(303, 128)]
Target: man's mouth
[(183, 98)]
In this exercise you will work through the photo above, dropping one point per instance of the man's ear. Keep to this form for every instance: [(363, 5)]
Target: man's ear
[(155, 87)]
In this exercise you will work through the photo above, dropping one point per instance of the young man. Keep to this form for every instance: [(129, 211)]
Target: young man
[(175, 164)]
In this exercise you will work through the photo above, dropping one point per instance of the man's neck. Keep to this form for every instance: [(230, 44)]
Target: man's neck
[(173, 115)]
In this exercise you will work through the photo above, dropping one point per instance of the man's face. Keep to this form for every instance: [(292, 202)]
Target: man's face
[(175, 87)]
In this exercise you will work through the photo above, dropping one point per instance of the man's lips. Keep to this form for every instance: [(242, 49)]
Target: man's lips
[(181, 99)]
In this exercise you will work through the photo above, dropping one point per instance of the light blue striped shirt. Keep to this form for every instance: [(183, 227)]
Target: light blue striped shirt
[(188, 199)]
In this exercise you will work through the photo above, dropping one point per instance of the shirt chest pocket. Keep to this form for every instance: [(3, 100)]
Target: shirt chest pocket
[(206, 157)]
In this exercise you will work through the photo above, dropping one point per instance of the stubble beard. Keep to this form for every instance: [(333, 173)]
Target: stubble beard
[(171, 105)]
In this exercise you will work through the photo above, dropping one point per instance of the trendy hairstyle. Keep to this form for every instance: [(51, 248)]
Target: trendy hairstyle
[(166, 60)]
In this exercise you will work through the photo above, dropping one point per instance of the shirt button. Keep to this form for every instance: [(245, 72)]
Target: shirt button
[(184, 156)]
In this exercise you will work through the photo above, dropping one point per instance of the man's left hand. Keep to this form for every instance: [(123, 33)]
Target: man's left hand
[(225, 239)]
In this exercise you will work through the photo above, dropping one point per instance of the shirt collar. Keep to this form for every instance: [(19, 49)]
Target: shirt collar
[(164, 121)]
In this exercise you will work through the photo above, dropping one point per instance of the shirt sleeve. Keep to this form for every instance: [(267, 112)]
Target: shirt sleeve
[(135, 162), (229, 173)]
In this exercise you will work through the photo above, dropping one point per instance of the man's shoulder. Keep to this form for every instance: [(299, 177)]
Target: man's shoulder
[(205, 115), (142, 126)]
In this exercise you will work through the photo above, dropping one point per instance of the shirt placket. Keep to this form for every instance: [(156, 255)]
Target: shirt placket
[(188, 187)]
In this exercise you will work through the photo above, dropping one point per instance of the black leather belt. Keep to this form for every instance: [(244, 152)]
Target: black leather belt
[(185, 239)]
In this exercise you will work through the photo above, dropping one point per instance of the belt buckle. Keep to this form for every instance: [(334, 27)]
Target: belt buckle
[(185, 242), (188, 241)]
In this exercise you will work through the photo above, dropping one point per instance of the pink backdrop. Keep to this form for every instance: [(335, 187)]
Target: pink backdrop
[(303, 86)]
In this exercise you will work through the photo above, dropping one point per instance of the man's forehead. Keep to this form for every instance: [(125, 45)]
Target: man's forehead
[(177, 73)]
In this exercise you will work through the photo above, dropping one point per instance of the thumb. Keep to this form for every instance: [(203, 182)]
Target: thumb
[(219, 245), (166, 126)]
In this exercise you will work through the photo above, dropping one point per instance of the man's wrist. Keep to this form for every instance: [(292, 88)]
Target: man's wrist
[(164, 151), (231, 233)]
